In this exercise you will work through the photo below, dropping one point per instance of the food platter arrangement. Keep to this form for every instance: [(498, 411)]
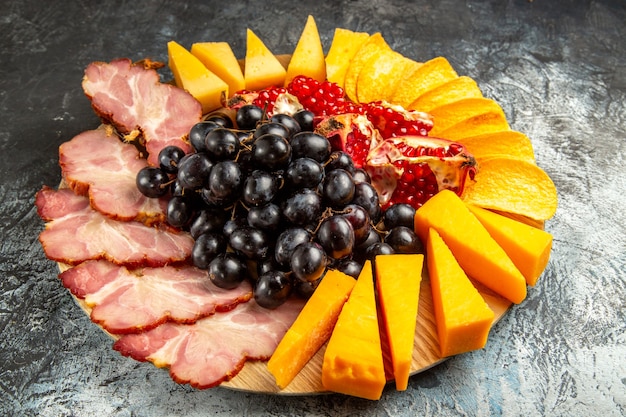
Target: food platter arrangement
[(314, 222)]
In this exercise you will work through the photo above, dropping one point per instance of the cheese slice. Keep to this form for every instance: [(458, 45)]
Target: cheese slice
[(312, 328), (463, 317), (398, 279), (262, 69), (477, 252), (308, 56), (527, 246), (353, 361), (219, 58), (191, 75)]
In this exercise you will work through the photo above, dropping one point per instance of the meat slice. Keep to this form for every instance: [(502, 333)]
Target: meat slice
[(75, 233), (214, 349), (96, 163), (132, 98), (124, 301)]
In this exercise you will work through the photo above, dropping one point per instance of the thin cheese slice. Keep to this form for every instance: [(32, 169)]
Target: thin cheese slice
[(527, 246), (353, 361), (312, 328), (463, 317), (398, 279)]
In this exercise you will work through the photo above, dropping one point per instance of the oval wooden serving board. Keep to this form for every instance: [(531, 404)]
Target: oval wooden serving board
[(254, 377)]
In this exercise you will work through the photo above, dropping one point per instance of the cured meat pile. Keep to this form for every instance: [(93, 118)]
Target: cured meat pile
[(126, 264)]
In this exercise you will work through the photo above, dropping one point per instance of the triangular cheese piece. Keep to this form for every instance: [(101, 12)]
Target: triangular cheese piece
[(308, 56), (398, 279), (219, 58), (191, 75), (477, 252), (527, 246), (262, 69), (353, 361), (463, 317), (312, 328)]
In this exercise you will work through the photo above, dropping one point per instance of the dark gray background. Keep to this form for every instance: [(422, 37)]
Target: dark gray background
[(557, 67)]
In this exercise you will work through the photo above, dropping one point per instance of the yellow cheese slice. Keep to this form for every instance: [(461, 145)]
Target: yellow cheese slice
[(262, 69), (219, 58), (308, 56), (191, 75)]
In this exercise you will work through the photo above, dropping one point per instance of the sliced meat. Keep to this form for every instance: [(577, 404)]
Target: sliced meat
[(132, 98), (96, 163), (76, 233), (214, 349), (124, 301)]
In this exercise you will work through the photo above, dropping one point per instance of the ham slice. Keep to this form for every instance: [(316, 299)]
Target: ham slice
[(132, 98), (76, 233), (213, 349), (124, 301), (96, 163)]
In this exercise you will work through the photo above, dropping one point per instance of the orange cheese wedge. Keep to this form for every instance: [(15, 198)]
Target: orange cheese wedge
[(528, 247), (308, 56), (344, 46), (191, 75), (477, 252), (220, 59), (353, 361), (454, 90), (431, 74), (463, 317), (398, 279), (262, 69), (312, 327)]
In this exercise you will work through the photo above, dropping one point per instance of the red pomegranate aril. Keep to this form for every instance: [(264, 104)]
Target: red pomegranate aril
[(351, 133), (411, 169)]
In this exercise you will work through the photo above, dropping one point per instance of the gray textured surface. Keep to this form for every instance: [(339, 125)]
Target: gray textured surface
[(557, 67)]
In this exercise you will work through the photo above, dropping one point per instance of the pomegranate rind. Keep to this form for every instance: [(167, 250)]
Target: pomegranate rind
[(352, 133), (450, 171)]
